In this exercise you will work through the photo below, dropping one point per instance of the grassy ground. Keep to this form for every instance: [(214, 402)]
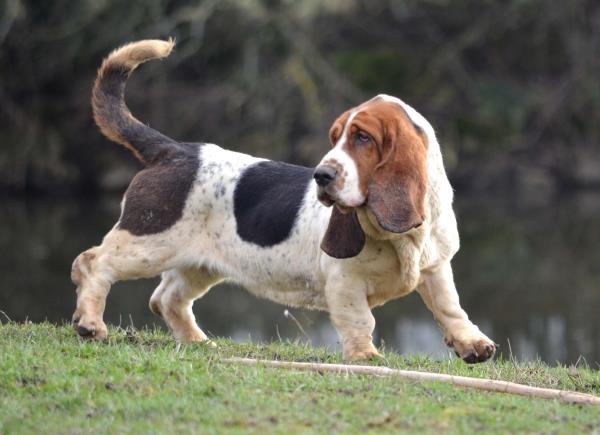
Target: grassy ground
[(141, 381)]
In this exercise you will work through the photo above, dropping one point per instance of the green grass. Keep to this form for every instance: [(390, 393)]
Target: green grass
[(142, 381)]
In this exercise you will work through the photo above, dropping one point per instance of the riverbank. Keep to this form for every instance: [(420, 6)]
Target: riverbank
[(142, 381)]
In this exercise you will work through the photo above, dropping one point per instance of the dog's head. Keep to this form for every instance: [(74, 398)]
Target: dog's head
[(378, 160)]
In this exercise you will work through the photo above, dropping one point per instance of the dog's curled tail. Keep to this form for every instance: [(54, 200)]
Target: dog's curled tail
[(108, 103)]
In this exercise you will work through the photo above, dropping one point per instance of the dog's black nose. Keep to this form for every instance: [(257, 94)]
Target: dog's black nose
[(324, 175)]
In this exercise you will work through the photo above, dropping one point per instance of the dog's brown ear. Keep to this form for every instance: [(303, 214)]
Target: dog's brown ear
[(398, 206), (344, 237), (397, 187)]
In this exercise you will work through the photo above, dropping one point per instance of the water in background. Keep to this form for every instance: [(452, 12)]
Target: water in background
[(528, 274)]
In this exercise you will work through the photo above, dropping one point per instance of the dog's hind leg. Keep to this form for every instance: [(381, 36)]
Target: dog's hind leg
[(173, 299), (121, 256)]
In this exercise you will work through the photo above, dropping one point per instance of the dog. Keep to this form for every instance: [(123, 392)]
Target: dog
[(373, 222)]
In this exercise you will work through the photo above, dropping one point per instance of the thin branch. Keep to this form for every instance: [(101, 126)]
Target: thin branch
[(461, 381), (6, 315)]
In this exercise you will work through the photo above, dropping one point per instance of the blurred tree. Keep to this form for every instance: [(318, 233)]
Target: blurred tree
[(512, 87)]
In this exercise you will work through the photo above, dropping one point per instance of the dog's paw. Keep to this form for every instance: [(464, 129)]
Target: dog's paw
[(192, 335), (88, 328), (473, 348), (363, 356), (364, 351)]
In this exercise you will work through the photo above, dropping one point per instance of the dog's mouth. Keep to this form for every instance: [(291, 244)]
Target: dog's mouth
[(325, 198), (328, 200)]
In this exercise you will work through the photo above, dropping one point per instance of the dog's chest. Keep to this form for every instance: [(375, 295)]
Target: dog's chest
[(389, 273)]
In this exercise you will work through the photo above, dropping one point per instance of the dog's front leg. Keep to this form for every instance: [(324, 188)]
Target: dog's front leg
[(440, 296), (351, 316)]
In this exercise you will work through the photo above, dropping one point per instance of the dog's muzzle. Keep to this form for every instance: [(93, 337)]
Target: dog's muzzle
[(324, 176)]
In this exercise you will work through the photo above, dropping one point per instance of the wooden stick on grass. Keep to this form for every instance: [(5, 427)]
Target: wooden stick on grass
[(462, 381)]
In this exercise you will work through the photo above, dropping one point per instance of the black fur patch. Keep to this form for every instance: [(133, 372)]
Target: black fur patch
[(267, 199), (155, 199)]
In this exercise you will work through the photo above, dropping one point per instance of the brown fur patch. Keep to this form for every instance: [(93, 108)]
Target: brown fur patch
[(337, 128), (157, 195)]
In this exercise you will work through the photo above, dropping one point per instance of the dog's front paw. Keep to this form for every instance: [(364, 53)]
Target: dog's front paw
[(363, 356), (474, 347), (89, 328), (193, 337), (360, 350)]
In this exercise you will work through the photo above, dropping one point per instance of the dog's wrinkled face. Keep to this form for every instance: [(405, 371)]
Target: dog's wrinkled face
[(337, 175), (379, 159)]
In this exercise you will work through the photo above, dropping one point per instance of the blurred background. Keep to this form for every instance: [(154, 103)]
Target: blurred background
[(511, 88)]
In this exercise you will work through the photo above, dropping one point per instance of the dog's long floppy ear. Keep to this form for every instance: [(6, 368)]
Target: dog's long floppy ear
[(344, 237), (398, 184)]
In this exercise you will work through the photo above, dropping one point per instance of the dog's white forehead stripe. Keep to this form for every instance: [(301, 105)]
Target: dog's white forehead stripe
[(342, 140)]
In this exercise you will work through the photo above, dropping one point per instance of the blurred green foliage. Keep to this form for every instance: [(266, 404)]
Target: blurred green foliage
[(511, 87)]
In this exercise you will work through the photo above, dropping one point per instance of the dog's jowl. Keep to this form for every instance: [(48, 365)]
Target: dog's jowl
[(375, 224)]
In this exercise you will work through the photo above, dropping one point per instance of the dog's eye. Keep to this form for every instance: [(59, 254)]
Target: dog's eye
[(362, 138)]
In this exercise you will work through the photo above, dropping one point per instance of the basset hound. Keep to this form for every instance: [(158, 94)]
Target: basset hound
[(371, 223)]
